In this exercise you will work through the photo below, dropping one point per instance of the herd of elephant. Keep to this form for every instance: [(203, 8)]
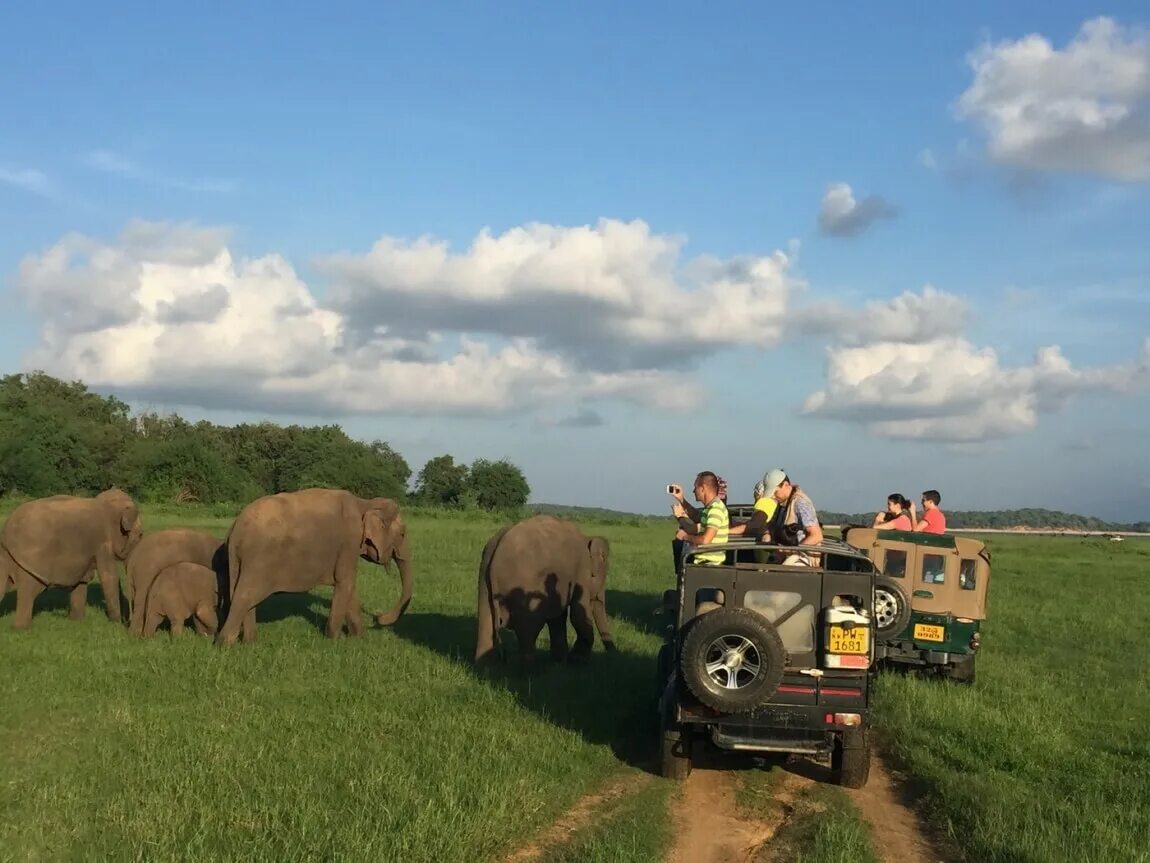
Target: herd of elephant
[(539, 570)]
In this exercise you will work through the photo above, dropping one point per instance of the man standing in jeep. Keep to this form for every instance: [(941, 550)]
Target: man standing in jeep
[(713, 520), (795, 521)]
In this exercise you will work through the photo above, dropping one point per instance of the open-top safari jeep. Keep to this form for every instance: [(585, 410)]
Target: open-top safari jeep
[(762, 657), (931, 599)]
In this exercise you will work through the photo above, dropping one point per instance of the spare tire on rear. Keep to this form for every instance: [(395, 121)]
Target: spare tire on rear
[(732, 659), (891, 607)]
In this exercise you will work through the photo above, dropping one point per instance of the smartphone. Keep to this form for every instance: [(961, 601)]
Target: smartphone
[(671, 489)]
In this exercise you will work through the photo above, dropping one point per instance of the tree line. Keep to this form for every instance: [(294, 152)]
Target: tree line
[(58, 437)]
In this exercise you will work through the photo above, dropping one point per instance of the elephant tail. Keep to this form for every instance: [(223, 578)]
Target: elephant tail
[(489, 623)]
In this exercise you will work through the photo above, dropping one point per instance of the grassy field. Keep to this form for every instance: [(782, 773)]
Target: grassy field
[(1047, 757), (390, 747)]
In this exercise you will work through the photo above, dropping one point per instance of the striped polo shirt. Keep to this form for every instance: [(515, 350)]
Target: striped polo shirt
[(715, 515)]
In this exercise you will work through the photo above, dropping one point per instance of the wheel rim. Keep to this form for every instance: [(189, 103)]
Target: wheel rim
[(732, 662), (885, 608)]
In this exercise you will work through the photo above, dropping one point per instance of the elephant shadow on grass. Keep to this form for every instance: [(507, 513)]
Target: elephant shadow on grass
[(58, 600), (609, 700)]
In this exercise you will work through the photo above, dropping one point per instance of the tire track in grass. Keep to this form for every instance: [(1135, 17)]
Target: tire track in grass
[(710, 825), (579, 816), (897, 830)]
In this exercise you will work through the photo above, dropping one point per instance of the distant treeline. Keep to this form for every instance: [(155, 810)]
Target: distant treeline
[(57, 437), (1032, 518)]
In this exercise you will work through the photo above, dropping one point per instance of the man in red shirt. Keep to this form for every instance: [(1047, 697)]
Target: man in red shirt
[(933, 519)]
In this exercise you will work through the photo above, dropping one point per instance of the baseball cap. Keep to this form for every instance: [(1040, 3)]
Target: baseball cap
[(772, 479)]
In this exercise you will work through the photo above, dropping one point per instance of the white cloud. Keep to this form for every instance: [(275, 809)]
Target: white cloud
[(114, 163), (948, 390), (608, 297), (166, 312), (1084, 108), (840, 215), (911, 318), (30, 180)]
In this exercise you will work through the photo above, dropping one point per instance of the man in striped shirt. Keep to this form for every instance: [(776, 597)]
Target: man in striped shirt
[(714, 521)]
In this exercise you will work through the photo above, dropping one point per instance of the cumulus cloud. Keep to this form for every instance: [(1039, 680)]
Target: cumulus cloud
[(1082, 108), (948, 390), (609, 297), (910, 318), (538, 316), (842, 216)]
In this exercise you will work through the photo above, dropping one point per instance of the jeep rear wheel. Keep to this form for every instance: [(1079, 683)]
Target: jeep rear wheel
[(961, 670), (732, 659), (850, 758), (891, 607)]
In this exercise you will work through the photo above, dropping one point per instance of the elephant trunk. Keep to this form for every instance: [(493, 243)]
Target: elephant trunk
[(599, 612), (402, 558)]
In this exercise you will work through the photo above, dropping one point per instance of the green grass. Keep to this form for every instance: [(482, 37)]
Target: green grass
[(389, 747), (1047, 757), (385, 747), (820, 824), (634, 830)]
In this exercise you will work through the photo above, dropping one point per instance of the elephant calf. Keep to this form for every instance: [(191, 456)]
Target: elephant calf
[(180, 591), (535, 572)]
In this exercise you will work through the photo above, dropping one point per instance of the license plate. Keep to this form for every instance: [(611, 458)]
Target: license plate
[(929, 632), (843, 640)]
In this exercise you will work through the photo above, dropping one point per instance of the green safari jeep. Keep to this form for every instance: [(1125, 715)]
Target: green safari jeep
[(931, 599)]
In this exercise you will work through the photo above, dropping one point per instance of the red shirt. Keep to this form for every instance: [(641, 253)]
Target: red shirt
[(902, 522), (935, 521)]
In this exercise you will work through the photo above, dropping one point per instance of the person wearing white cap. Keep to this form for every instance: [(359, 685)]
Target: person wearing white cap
[(796, 521)]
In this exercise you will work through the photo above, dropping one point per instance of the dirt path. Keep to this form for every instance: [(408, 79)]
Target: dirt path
[(578, 817), (709, 826), (899, 834)]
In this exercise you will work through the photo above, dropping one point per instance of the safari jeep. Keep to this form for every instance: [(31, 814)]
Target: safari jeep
[(931, 599), (765, 658)]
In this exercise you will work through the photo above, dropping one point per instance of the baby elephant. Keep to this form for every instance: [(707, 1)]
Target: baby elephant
[(180, 591)]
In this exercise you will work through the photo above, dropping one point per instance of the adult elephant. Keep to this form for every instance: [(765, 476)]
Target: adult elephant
[(58, 541), (535, 572), (294, 541), (164, 548)]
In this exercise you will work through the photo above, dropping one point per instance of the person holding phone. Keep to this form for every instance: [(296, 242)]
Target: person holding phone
[(709, 525)]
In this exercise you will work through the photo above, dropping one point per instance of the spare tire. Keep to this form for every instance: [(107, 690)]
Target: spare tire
[(732, 659), (891, 607)]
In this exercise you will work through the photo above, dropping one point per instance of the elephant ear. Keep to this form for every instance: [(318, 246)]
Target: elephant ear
[(599, 549), (373, 545)]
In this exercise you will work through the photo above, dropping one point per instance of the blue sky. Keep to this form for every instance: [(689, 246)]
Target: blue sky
[(179, 145)]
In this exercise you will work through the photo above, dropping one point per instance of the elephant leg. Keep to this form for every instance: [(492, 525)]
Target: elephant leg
[(152, 623), (557, 629), (106, 566), (176, 621), (242, 613), (527, 629), (78, 601), (343, 594), (27, 589), (584, 631), (354, 615)]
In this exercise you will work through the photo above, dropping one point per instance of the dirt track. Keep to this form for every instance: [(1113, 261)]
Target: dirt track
[(710, 827)]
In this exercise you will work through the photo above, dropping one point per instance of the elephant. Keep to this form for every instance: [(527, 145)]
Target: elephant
[(534, 572), (294, 541), (58, 541), (180, 591), (161, 549)]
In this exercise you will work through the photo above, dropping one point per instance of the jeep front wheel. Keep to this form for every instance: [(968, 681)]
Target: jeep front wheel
[(891, 607), (732, 659)]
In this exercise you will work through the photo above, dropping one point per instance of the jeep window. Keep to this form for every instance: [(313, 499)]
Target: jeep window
[(894, 563), (798, 630), (966, 578), (933, 568)]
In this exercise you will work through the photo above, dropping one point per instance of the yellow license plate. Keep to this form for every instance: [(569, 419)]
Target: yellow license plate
[(929, 632), (843, 640)]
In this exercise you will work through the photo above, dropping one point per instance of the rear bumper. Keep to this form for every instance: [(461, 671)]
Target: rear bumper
[(773, 727)]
